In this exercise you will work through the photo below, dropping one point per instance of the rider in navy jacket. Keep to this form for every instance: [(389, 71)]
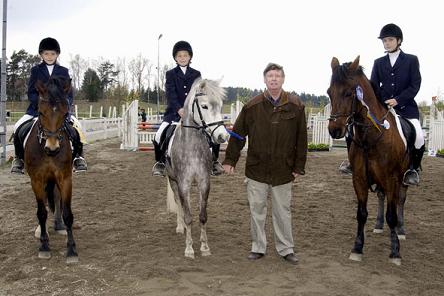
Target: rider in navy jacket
[(402, 82), (49, 51), (40, 72), (177, 86), (397, 80)]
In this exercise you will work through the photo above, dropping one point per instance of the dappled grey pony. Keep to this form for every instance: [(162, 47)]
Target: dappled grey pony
[(189, 157)]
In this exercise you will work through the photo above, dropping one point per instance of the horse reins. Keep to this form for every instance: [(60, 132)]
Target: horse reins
[(351, 122)]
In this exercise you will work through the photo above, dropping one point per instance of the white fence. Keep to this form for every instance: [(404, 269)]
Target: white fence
[(94, 129), (318, 123), (436, 130), (132, 136)]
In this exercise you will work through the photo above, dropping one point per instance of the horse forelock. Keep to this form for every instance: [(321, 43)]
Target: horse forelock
[(55, 88), (210, 88), (342, 74)]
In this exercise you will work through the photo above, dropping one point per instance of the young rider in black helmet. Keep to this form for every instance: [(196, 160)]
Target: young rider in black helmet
[(177, 85), (49, 51), (397, 80)]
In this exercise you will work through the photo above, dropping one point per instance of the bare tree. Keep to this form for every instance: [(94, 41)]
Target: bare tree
[(122, 78), (136, 68), (149, 70), (77, 66)]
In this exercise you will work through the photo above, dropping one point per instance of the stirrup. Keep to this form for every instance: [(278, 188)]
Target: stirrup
[(79, 164), (217, 168), (158, 169), (18, 166), (345, 168), (411, 177)]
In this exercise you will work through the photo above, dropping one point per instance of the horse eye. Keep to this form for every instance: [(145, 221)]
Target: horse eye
[(348, 93), (204, 106)]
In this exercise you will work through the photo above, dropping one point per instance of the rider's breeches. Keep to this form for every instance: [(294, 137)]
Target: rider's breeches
[(419, 141), (159, 132)]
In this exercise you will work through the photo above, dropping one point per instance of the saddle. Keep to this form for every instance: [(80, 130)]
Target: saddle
[(166, 137), (23, 131), (409, 132)]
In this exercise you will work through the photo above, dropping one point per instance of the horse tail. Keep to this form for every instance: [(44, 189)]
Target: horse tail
[(50, 193), (171, 201)]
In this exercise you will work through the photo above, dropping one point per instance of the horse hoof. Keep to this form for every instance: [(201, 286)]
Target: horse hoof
[(72, 259), (401, 236), (61, 232), (44, 255), (396, 261), (179, 230), (205, 253), (378, 230), (355, 257), (189, 255)]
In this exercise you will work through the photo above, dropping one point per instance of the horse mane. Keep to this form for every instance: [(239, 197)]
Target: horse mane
[(342, 73), (56, 89), (211, 88)]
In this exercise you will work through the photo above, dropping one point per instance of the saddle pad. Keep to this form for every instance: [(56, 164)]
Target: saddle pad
[(172, 137), (28, 132), (398, 125)]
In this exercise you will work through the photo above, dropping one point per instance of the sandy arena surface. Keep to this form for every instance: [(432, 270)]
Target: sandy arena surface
[(128, 246)]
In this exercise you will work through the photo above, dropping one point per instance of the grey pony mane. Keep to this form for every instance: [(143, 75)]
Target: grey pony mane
[(209, 87)]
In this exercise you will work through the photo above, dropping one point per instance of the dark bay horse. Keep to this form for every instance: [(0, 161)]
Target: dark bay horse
[(190, 158), (48, 161), (377, 152)]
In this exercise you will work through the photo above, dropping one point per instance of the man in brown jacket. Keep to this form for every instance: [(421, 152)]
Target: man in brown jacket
[(277, 151)]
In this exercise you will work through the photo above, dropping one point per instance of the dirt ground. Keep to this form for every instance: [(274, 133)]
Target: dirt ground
[(128, 246)]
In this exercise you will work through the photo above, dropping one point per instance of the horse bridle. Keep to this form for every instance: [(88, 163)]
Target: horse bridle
[(350, 121), (203, 125), (43, 134)]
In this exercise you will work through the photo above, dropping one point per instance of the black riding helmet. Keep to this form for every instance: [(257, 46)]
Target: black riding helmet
[(49, 44), (391, 30), (182, 45)]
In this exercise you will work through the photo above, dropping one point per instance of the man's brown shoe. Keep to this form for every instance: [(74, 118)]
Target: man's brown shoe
[(255, 256)]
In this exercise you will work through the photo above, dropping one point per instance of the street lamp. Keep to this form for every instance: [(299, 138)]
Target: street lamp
[(158, 74)]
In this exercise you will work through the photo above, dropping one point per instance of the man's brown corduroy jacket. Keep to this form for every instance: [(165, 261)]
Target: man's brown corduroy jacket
[(277, 139)]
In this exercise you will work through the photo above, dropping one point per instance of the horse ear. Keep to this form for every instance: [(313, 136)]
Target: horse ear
[(40, 86), (202, 84), (67, 86), (334, 63), (354, 66)]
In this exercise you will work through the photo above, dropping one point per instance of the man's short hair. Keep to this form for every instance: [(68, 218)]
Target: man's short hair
[(274, 66)]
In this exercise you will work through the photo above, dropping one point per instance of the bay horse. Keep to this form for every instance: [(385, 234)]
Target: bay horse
[(48, 161), (377, 153), (190, 160)]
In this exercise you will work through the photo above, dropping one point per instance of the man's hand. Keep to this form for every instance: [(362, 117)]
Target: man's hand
[(228, 169), (391, 102)]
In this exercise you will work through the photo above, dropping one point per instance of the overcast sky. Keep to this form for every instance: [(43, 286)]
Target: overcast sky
[(235, 39)]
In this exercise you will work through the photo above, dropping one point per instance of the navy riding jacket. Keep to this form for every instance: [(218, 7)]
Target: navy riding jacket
[(177, 86), (40, 72), (401, 82)]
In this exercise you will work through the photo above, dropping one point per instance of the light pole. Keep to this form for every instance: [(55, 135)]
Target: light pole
[(158, 74), (3, 89)]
